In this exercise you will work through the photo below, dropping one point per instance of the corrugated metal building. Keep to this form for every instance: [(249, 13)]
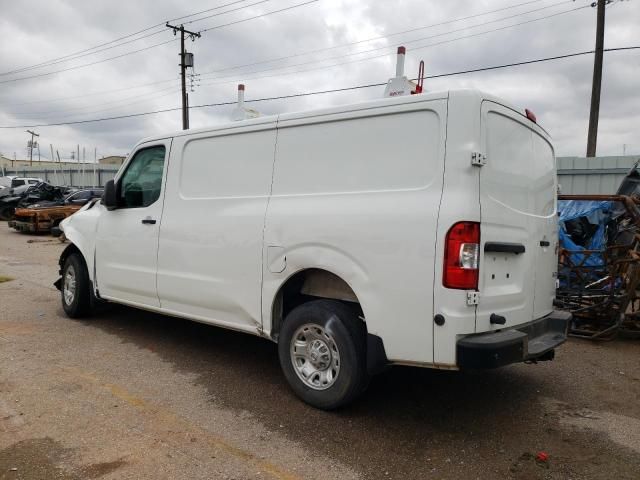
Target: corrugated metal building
[(576, 175), (596, 175)]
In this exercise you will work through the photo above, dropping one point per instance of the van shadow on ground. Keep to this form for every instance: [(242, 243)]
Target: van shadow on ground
[(409, 422)]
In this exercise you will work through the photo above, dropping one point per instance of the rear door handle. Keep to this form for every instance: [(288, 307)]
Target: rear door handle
[(545, 243), (148, 221), (504, 247)]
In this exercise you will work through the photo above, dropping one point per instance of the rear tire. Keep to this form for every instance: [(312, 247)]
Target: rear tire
[(76, 288), (322, 350)]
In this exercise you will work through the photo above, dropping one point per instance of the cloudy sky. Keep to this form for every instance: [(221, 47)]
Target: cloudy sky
[(313, 46)]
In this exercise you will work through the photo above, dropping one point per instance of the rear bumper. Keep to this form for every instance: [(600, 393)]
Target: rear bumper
[(532, 341)]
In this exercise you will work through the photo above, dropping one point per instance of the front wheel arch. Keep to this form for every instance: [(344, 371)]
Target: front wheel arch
[(71, 248)]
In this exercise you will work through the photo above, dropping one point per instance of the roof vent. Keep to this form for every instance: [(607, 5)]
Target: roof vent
[(241, 112), (401, 85)]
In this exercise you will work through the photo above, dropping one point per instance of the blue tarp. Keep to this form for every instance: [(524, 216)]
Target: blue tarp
[(597, 213)]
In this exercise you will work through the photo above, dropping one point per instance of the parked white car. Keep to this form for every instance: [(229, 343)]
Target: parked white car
[(13, 185), (417, 230)]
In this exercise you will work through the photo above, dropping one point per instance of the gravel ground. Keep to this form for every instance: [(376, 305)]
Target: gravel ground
[(130, 394)]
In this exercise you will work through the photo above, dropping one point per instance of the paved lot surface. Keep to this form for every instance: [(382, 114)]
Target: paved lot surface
[(129, 394)]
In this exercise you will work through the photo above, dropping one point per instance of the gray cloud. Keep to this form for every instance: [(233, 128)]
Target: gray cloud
[(559, 91)]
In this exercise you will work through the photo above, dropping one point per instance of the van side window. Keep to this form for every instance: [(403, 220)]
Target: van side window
[(142, 181)]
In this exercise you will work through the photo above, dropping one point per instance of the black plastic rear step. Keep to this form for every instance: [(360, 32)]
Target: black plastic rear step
[(531, 341)]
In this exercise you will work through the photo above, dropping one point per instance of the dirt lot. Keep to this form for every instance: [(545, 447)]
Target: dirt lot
[(129, 394)]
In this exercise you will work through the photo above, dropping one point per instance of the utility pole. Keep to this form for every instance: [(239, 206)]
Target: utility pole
[(596, 85), (183, 70), (33, 134)]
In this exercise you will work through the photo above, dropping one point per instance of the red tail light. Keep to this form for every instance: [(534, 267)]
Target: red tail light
[(461, 256)]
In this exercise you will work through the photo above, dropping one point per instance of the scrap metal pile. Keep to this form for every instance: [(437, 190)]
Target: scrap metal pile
[(37, 193), (599, 261)]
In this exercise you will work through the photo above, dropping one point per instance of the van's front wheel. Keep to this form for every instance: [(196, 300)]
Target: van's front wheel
[(75, 288), (322, 353)]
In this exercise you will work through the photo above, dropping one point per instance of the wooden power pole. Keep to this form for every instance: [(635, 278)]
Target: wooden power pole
[(596, 85), (183, 70), (33, 134)]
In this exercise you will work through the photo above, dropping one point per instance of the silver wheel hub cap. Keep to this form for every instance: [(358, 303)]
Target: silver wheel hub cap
[(69, 285), (315, 356)]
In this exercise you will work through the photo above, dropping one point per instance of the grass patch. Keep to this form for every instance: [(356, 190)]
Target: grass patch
[(5, 279)]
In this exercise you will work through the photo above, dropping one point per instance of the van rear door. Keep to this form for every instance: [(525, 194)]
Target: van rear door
[(518, 221)]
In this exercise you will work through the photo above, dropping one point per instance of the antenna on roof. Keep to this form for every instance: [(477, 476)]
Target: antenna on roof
[(241, 112), (401, 85)]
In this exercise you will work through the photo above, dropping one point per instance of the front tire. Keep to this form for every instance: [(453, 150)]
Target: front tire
[(76, 288), (322, 350)]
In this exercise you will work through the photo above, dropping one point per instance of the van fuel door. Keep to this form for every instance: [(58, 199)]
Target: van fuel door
[(276, 259)]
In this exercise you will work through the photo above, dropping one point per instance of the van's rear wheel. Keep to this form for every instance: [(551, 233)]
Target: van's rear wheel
[(322, 353), (76, 290)]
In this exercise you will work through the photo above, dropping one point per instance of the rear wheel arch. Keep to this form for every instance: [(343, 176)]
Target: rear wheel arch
[(307, 285), (312, 284)]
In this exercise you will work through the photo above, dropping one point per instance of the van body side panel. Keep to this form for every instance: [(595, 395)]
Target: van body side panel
[(357, 194), (518, 192), (210, 253), (460, 202)]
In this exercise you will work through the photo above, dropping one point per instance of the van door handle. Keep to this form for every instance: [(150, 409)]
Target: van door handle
[(504, 247), (148, 221), (545, 243)]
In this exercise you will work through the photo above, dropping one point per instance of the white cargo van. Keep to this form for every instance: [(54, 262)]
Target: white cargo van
[(418, 230)]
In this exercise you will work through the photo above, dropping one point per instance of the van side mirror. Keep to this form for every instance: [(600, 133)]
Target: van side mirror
[(110, 196)]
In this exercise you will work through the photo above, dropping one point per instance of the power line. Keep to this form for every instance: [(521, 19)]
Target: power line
[(382, 37), (327, 48), (407, 42), (305, 70), (97, 48), (88, 64), (157, 44), (56, 60), (155, 96), (228, 11), (204, 11), (77, 54), (259, 16), (102, 92), (62, 112), (320, 92), (93, 51), (386, 54), (323, 67)]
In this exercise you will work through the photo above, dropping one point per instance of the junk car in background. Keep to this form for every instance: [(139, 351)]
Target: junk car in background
[(15, 186), (43, 216), (38, 192)]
